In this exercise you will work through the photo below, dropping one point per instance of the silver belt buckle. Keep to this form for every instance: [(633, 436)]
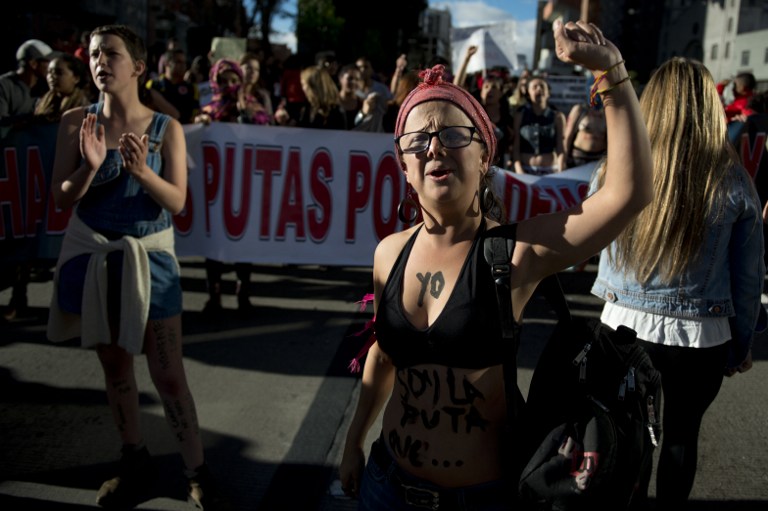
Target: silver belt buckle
[(421, 497)]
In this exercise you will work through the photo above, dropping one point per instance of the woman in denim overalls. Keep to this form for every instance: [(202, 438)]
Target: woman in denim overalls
[(117, 286)]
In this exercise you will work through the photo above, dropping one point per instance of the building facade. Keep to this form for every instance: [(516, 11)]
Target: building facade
[(735, 39)]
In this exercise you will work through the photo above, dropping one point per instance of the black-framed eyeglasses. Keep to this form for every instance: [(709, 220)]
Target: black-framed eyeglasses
[(452, 137)]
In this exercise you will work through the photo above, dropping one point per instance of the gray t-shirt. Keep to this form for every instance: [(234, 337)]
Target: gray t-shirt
[(16, 98)]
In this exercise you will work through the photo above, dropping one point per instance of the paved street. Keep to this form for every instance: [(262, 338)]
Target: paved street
[(274, 399)]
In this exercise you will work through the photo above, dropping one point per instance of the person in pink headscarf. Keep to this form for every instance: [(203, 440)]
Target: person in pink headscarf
[(435, 363), (231, 102)]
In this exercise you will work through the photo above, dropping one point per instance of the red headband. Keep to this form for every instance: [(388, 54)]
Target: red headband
[(433, 88)]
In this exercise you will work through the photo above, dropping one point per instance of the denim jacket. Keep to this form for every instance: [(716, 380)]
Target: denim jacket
[(726, 280)]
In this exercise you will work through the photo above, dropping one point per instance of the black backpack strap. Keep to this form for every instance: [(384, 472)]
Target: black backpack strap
[(498, 246)]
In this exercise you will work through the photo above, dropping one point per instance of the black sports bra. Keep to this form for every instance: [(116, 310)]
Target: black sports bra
[(466, 334), (537, 132)]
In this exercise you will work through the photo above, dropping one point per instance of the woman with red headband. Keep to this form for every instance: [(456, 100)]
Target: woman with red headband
[(436, 365)]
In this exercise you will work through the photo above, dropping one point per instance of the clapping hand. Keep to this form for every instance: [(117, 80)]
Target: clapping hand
[(93, 145), (134, 150)]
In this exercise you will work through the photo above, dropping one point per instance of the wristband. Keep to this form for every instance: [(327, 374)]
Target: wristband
[(610, 88), (599, 78), (613, 66)]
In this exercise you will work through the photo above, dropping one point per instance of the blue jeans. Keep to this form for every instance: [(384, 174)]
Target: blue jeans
[(386, 487)]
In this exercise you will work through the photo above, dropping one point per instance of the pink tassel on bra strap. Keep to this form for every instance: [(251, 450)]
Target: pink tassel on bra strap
[(354, 364)]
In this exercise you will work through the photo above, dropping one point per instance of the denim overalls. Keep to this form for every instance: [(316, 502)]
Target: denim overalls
[(116, 205)]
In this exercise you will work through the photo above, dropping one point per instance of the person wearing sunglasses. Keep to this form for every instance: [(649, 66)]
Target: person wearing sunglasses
[(435, 363)]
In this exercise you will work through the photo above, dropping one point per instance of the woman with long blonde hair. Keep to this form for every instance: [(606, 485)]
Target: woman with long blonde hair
[(323, 108), (687, 272)]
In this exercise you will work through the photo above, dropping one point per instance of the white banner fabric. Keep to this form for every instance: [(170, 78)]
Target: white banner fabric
[(268, 194)]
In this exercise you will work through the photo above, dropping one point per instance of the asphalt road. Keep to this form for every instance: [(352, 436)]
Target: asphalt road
[(274, 398)]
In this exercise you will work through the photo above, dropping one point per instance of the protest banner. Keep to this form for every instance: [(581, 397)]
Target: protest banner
[(293, 195), (268, 194), (31, 227)]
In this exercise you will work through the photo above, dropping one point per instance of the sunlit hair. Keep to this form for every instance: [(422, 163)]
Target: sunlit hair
[(320, 89), (693, 161)]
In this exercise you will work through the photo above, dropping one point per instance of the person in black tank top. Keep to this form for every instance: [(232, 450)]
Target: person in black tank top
[(471, 312), (538, 133), (435, 365)]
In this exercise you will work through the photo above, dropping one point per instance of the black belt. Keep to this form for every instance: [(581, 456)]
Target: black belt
[(427, 496)]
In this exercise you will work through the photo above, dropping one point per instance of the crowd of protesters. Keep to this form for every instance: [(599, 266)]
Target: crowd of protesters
[(533, 135), (521, 130)]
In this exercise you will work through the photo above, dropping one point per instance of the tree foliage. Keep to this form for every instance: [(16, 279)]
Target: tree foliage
[(317, 26), (263, 15), (382, 33)]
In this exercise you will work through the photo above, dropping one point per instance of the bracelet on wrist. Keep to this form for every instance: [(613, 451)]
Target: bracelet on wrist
[(613, 86), (613, 66), (599, 78)]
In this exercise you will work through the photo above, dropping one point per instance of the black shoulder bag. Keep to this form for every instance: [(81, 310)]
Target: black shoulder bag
[(593, 413), (591, 419)]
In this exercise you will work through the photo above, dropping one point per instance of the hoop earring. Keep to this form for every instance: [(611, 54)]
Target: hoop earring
[(487, 202), (408, 202)]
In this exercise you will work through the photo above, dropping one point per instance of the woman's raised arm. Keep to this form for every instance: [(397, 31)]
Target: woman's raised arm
[(550, 243)]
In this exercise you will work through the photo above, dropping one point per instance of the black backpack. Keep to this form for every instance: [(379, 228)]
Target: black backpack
[(591, 419)]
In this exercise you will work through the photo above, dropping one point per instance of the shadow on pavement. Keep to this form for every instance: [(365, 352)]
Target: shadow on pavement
[(39, 446)]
